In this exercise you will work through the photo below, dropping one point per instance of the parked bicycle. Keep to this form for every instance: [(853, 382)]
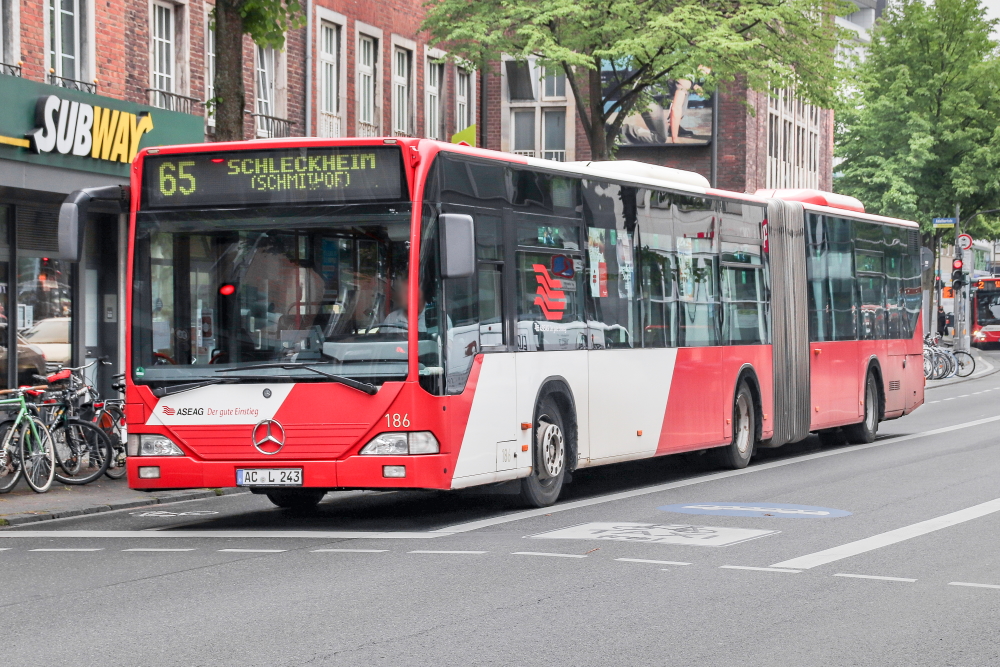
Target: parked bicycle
[(26, 446), (941, 362), (110, 418), (83, 450)]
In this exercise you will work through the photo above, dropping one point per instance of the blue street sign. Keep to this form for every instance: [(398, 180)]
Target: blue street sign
[(779, 510), (943, 223)]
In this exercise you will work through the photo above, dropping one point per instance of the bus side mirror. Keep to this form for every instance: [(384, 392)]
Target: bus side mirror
[(458, 245), (73, 215)]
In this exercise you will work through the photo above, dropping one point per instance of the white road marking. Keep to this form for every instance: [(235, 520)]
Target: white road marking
[(759, 569), (869, 576), (348, 551), (66, 549), (655, 562), (623, 495), (154, 549), (891, 537), (965, 583), (294, 534), (419, 551), (929, 402), (952, 398), (543, 553), (254, 551)]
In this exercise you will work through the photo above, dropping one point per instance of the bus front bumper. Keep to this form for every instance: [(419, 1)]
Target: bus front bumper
[(427, 471)]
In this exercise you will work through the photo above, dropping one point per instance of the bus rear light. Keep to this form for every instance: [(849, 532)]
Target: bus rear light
[(394, 471), (152, 445), (402, 444)]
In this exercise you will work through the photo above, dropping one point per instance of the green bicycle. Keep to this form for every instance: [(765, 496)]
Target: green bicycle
[(25, 445)]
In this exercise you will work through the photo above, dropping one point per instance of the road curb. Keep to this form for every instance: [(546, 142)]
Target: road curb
[(35, 517)]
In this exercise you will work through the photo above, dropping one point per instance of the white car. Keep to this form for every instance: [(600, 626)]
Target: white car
[(51, 337)]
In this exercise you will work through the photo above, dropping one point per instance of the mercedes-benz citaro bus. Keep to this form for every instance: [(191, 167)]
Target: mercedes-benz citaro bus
[(315, 314)]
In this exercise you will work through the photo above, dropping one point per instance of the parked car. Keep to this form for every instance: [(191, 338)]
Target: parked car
[(30, 360), (51, 336)]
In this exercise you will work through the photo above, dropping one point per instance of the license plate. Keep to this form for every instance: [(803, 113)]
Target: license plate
[(269, 477)]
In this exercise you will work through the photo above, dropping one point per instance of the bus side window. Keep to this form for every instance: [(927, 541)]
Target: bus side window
[(869, 261), (697, 241), (657, 269), (745, 316), (611, 214), (912, 287), (895, 247)]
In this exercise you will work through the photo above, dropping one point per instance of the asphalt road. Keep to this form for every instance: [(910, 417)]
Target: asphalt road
[(911, 576)]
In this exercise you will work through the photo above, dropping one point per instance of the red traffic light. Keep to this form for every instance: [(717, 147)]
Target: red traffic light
[(956, 265), (227, 289)]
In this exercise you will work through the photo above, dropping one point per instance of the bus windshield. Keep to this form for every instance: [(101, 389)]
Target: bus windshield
[(987, 308), (227, 289)]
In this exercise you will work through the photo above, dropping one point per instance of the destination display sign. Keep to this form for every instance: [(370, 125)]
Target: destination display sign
[(289, 175)]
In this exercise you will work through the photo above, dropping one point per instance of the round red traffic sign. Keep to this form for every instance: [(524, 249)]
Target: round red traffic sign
[(964, 241)]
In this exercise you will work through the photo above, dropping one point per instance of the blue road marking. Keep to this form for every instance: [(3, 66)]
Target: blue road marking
[(780, 510)]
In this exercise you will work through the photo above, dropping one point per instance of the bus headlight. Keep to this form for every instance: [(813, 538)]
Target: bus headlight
[(145, 444), (402, 444)]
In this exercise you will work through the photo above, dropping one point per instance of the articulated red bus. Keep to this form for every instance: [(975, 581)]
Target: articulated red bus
[(985, 311), (310, 314)]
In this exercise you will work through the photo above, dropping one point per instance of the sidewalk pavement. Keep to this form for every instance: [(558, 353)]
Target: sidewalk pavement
[(986, 364), (22, 505)]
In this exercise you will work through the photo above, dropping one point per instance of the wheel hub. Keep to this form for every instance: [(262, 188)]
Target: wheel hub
[(552, 447)]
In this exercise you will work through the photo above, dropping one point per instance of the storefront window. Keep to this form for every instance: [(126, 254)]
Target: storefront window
[(44, 311)]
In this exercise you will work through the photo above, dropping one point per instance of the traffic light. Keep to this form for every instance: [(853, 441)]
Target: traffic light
[(957, 275)]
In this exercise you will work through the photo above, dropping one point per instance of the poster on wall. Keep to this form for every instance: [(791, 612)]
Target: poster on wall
[(680, 112)]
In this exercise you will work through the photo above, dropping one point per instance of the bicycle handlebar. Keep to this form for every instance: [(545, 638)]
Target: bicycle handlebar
[(21, 390)]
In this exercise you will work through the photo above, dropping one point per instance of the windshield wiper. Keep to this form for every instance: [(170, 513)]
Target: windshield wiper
[(369, 389), (160, 392)]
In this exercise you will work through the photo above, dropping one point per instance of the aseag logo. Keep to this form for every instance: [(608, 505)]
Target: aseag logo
[(550, 296), (77, 128), (181, 412)]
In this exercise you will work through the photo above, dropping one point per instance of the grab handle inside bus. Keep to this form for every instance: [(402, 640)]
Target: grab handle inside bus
[(458, 245), (73, 214)]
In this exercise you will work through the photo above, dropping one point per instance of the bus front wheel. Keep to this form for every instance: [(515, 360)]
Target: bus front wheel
[(865, 431), (737, 453), (542, 487)]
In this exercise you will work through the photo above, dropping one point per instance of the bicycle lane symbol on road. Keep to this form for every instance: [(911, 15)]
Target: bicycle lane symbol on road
[(778, 510)]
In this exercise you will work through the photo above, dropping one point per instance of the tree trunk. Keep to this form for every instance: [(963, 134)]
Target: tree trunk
[(229, 91), (597, 136)]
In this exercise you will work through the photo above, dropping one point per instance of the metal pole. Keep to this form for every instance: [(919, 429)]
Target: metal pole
[(958, 300)]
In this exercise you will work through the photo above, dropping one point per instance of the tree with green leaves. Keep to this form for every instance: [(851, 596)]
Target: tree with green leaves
[(266, 21), (920, 128), (638, 44)]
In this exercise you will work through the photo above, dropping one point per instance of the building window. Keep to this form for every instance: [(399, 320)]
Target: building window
[(266, 57), (554, 134), (367, 109), (435, 83), (463, 98), (64, 38), (523, 124), (541, 116), (401, 62), (210, 76), (163, 55), (793, 131), (553, 85), (329, 80)]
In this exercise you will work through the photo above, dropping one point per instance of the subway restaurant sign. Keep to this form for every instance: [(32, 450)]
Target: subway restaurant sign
[(63, 128)]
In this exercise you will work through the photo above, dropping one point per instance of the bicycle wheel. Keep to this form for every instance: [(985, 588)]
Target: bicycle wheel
[(966, 364), (37, 454), (10, 458), (928, 364), (940, 366), (952, 364), (111, 420), (83, 451)]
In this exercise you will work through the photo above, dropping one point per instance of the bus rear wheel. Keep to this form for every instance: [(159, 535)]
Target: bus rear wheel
[(542, 487), (296, 499), (737, 453), (865, 431)]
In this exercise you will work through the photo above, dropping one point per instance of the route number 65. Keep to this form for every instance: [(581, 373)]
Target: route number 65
[(397, 420)]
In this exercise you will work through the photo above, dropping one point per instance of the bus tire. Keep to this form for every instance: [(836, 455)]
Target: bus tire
[(864, 431), (736, 454), (551, 450), (296, 499)]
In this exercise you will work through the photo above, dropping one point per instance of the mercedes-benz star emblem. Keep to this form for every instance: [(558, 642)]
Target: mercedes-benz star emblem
[(268, 434)]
